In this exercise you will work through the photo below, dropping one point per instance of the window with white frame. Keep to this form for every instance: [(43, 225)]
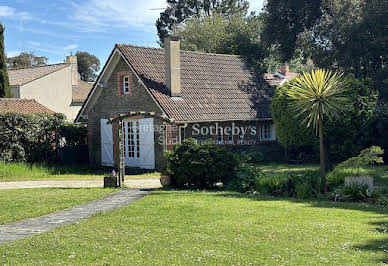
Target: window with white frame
[(267, 132), (126, 88)]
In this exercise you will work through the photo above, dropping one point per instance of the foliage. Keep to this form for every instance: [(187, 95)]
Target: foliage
[(346, 136), (26, 59), (368, 156), (285, 20), (28, 137), (178, 11), (194, 165), (328, 32), (301, 185), (73, 134), (88, 65), (255, 157), (245, 179), (353, 193), (317, 95), (218, 34), (5, 90), (289, 133)]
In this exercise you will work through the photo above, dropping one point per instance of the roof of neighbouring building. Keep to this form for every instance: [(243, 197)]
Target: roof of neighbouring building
[(214, 87), (21, 76), (23, 106), (278, 79), (81, 92)]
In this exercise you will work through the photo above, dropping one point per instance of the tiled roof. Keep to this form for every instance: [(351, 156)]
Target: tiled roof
[(276, 79), (21, 76), (23, 106), (81, 92), (214, 87)]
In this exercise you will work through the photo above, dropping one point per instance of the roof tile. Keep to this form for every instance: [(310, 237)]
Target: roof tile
[(23, 106)]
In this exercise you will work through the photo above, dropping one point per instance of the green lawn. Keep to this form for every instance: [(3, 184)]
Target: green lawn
[(24, 171), (183, 228), (17, 204)]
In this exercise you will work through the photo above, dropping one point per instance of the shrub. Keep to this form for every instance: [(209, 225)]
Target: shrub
[(357, 193), (245, 178), (28, 137), (255, 157), (201, 166), (73, 134), (354, 166), (303, 185)]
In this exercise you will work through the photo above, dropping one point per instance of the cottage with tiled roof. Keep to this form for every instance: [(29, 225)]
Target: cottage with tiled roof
[(57, 87), (167, 95)]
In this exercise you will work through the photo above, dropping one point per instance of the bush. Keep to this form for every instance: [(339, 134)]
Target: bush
[(28, 137), (245, 178), (73, 134), (255, 157), (355, 193), (354, 166), (200, 166), (303, 185)]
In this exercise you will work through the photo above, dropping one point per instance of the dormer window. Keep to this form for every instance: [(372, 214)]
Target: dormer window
[(126, 88)]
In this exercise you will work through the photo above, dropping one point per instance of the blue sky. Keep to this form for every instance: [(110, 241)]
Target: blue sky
[(58, 27)]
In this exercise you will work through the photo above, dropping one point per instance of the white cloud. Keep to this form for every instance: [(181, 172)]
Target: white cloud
[(10, 12), (70, 47), (6, 11), (102, 15)]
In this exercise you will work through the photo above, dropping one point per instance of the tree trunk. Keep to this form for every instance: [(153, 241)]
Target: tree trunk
[(322, 156)]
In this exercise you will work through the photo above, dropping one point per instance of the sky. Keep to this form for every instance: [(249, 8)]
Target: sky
[(56, 28)]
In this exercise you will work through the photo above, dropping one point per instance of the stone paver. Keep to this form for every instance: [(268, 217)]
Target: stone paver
[(38, 225), (130, 183)]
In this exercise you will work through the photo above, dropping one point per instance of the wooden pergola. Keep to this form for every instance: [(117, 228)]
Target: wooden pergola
[(120, 137)]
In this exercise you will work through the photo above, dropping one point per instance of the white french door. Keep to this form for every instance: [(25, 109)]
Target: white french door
[(139, 143)]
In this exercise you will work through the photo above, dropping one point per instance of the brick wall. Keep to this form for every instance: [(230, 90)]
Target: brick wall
[(113, 102)]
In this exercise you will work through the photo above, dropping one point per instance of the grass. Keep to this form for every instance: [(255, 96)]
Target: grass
[(24, 171), (224, 228), (17, 204)]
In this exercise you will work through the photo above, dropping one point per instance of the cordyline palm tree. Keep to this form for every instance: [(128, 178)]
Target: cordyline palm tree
[(316, 96)]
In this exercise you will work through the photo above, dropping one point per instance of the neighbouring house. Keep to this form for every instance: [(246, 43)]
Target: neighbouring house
[(57, 87), (279, 78), (23, 106), (167, 95)]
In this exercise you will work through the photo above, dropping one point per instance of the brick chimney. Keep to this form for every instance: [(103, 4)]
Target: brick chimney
[(285, 70), (172, 57), (72, 59)]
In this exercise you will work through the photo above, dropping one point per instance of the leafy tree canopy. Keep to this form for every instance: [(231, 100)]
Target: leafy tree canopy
[(88, 65), (26, 59), (346, 35), (180, 10)]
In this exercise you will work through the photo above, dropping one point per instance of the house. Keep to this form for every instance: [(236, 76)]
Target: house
[(167, 95), (57, 87), (23, 106), (279, 78)]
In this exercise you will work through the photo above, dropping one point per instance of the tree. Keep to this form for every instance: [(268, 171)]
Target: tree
[(5, 90), (178, 11), (315, 96), (26, 59), (346, 136), (345, 35), (216, 34), (88, 65)]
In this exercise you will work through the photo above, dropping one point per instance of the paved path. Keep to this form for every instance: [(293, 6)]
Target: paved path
[(39, 225), (130, 183)]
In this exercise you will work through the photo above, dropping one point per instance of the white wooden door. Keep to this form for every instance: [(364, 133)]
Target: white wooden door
[(106, 143), (147, 143), (131, 143)]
